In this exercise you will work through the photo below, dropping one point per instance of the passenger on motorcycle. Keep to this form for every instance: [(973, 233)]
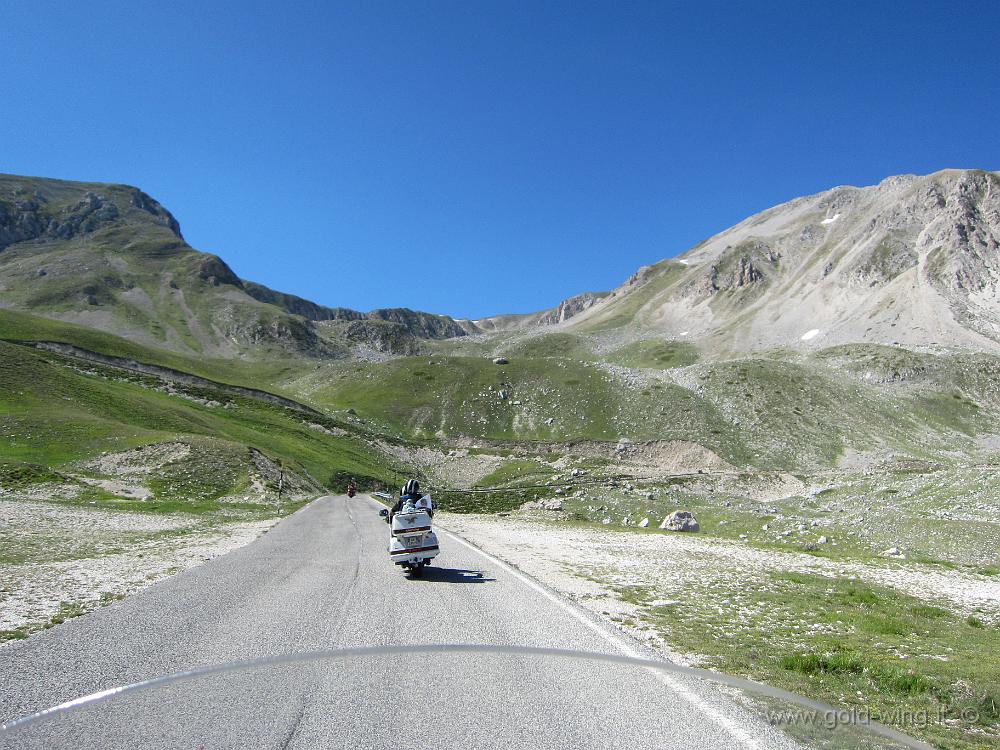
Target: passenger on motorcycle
[(409, 495)]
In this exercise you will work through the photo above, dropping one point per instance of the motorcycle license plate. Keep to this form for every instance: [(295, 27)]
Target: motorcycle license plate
[(411, 541)]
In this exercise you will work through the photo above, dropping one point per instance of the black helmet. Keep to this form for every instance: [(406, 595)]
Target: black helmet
[(412, 487)]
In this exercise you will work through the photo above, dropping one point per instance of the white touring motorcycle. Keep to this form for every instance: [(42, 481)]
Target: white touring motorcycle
[(412, 541)]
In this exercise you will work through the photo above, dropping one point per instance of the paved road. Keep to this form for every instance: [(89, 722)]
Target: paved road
[(321, 580)]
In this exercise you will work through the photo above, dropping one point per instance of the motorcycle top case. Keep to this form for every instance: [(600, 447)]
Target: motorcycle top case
[(408, 524)]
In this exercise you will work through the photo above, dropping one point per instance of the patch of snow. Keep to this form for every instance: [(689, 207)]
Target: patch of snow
[(830, 219), (681, 260), (810, 334), (684, 333)]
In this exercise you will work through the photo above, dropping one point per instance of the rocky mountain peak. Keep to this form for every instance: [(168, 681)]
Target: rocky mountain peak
[(913, 259), (46, 210)]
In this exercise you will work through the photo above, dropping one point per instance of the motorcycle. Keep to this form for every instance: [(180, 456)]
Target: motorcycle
[(351, 490), (412, 541)]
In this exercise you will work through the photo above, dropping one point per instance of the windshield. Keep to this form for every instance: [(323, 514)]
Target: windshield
[(449, 696)]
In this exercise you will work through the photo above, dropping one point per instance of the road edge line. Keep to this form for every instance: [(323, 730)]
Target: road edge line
[(617, 640)]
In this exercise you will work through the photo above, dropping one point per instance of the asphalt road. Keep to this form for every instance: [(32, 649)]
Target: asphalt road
[(321, 579)]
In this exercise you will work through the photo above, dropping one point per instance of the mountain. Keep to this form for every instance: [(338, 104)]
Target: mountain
[(913, 261), (561, 313), (112, 258)]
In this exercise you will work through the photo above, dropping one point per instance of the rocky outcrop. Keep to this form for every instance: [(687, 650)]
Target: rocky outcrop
[(422, 325), (417, 324), (569, 308), (162, 216), (23, 216), (86, 215), (213, 270), (299, 306), (744, 266), (380, 335), (46, 210)]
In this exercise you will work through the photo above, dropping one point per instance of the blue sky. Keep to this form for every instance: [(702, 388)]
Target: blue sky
[(475, 157)]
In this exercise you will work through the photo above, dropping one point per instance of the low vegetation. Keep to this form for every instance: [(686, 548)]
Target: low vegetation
[(858, 646)]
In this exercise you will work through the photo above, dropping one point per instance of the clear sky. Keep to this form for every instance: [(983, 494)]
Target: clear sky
[(476, 157)]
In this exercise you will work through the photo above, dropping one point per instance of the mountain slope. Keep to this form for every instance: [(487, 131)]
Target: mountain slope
[(913, 260), (112, 258)]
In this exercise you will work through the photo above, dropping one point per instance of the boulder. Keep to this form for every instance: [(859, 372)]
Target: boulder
[(680, 520), (552, 505), (643, 523), (501, 361)]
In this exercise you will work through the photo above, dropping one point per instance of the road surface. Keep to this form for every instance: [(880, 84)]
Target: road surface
[(321, 579)]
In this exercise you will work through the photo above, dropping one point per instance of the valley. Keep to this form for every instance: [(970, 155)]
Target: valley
[(819, 387)]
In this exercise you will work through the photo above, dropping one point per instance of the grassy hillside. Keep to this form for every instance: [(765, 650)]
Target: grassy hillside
[(772, 413), (778, 411), (466, 396), (20, 326), (55, 411)]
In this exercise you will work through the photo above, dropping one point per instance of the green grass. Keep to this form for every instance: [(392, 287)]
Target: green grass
[(516, 471), (18, 476), (506, 499), (656, 354), (51, 414), (565, 345), (461, 396), (951, 411), (18, 326), (852, 659)]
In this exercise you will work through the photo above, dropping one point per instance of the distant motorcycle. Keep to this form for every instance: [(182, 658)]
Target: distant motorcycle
[(351, 490), (412, 541)]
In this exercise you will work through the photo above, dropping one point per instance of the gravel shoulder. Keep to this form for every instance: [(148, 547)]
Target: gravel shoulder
[(63, 561), (590, 565)]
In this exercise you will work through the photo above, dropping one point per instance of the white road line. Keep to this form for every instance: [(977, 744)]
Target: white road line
[(618, 642)]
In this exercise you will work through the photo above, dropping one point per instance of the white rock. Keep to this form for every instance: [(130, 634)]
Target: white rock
[(643, 523), (680, 520)]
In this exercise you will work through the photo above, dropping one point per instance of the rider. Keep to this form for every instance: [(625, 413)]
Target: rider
[(352, 488), (409, 494)]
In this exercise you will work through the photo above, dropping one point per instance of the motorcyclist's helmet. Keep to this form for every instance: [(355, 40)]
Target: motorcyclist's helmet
[(412, 487)]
